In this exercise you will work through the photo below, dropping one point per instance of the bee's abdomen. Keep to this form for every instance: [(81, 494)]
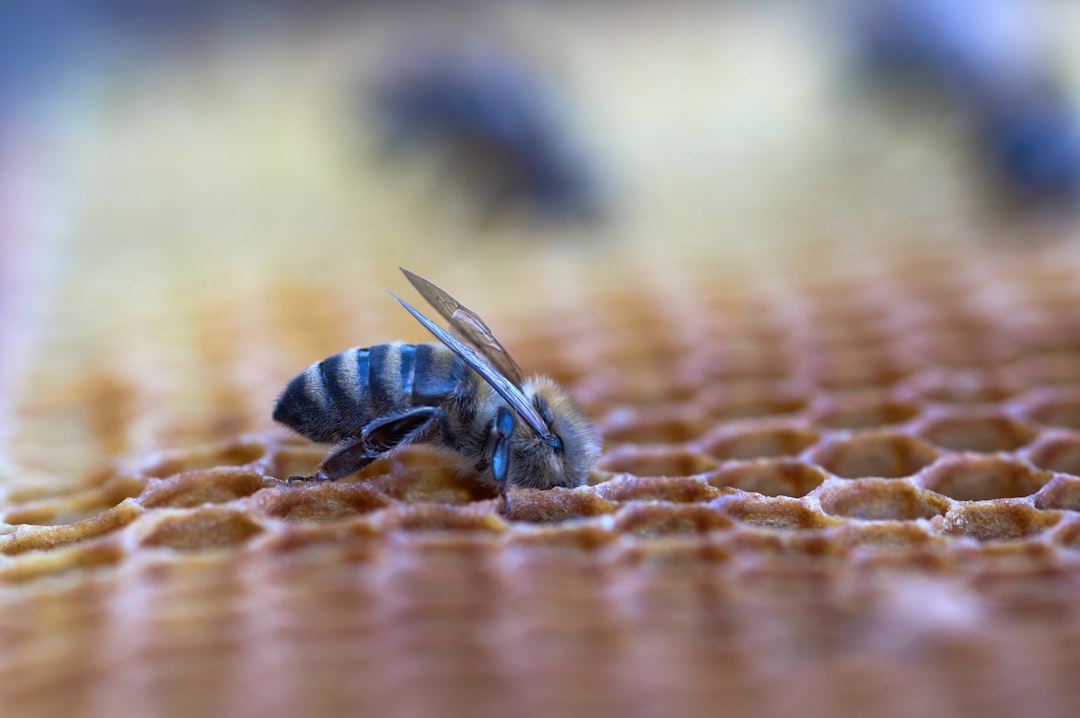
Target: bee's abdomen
[(334, 399)]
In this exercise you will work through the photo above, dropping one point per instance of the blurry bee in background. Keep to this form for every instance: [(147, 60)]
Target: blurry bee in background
[(988, 59), (466, 396), (495, 126), (1033, 143)]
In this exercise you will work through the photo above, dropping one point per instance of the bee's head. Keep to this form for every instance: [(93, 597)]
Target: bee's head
[(567, 457)]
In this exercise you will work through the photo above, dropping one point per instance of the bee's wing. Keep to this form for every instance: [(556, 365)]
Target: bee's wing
[(493, 376), (468, 326)]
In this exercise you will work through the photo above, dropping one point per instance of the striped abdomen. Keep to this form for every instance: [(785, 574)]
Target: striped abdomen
[(334, 399)]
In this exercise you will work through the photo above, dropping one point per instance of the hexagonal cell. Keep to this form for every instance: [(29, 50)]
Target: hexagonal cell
[(206, 486), (669, 550), (1060, 408), (198, 530), (654, 425), (770, 477), (323, 501), (1061, 493), (1057, 452), (658, 519), (883, 534), (436, 517), (854, 369), (361, 537), (71, 508), (1068, 534), (759, 442), (880, 454), (672, 489), (558, 504), (1008, 556), (772, 512), (737, 358), (750, 399), (966, 386), (763, 542), (236, 453), (1052, 367), (986, 432), (42, 538), (74, 558), (300, 460), (1003, 519), (879, 500), (421, 474), (978, 478), (964, 348), (578, 536), (862, 412), (655, 461)]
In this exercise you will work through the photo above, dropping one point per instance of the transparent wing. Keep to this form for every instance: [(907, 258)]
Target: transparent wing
[(469, 327), (490, 374)]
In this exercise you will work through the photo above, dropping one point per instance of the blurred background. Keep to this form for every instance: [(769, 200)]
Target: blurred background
[(199, 199)]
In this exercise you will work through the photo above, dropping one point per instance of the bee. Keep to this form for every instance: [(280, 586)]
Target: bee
[(465, 395), (993, 68), (497, 126)]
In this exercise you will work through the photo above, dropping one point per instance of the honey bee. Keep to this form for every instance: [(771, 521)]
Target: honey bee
[(465, 396), (499, 129)]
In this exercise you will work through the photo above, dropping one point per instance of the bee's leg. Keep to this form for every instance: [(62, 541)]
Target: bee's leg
[(378, 437), (501, 431), (388, 432), (343, 462)]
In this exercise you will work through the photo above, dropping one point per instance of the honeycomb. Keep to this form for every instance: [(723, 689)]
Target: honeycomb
[(840, 474)]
